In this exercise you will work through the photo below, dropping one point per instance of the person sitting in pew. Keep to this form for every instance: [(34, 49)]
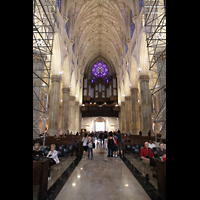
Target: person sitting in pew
[(53, 156), (146, 154), (36, 152), (161, 153), (62, 135), (58, 138), (151, 144), (127, 140), (124, 136)]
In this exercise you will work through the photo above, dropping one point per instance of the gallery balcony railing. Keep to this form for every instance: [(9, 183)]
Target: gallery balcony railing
[(99, 110)]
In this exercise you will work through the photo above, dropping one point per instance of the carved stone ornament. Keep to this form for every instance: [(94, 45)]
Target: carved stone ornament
[(55, 78), (66, 90), (134, 90), (144, 78)]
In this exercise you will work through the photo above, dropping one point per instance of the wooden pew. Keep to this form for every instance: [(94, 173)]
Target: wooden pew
[(64, 141), (40, 177), (136, 139), (161, 177)]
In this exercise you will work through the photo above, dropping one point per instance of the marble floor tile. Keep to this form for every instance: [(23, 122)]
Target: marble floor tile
[(102, 178), (140, 167), (58, 169)]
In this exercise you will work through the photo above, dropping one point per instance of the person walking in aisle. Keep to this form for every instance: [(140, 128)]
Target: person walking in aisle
[(90, 146), (85, 146), (120, 151), (115, 145), (110, 145)]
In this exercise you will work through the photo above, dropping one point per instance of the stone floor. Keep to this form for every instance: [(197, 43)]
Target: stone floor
[(77, 178), (102, 178), (57, 170), (140, 167)]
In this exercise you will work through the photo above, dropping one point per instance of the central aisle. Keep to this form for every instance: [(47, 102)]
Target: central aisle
[(102, 178)]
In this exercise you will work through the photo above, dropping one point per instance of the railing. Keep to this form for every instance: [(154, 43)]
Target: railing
[(109, 111)]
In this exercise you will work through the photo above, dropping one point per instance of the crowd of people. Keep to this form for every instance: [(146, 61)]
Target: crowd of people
[(113, 146), (113, 143)]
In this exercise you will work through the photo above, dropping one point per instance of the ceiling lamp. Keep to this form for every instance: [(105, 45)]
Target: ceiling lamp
[(139, 69)]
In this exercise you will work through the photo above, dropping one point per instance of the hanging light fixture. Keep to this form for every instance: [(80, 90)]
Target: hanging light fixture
[(60, 72), (139, 69)]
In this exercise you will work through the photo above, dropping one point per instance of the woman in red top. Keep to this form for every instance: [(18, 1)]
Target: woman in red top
[(145, 154)]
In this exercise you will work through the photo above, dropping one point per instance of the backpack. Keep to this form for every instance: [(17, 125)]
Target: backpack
[(90, 144), (110, 143), (115, 141)]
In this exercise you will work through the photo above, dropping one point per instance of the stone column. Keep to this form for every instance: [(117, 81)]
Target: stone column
[(123, 117), (54, 105), (77, 126), (135, 111), (72, 114), (145, 104), (128, 113), (65, 111)]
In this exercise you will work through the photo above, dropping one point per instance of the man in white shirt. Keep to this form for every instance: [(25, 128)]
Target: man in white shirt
[(151, 145)]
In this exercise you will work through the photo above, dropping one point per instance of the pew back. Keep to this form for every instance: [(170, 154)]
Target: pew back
[(40, 176)]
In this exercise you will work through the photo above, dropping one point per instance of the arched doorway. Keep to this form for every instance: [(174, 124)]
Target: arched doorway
[(100, 124)]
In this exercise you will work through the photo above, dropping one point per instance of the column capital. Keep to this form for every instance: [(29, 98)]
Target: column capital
[(66, 90), (56, 78), (134, 90), (39, 57), (144, 78)]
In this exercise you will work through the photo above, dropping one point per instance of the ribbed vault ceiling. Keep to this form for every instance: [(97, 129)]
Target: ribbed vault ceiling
[(99, 30)]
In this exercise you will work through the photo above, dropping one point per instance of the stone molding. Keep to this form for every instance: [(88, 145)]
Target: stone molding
[(39, 57), (56, 78), (66, 90), (134, 90), (144, 78)]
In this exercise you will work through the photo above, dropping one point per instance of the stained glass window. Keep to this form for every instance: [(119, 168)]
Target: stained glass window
[(141, 4), (58, 2), (132, 25), (100, 70)]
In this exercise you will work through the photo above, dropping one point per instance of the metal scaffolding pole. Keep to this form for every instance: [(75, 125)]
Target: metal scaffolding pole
[(155, 27), (43, 35)]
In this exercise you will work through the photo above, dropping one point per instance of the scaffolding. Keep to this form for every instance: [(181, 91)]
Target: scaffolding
[(43, 34), (155, 27)]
